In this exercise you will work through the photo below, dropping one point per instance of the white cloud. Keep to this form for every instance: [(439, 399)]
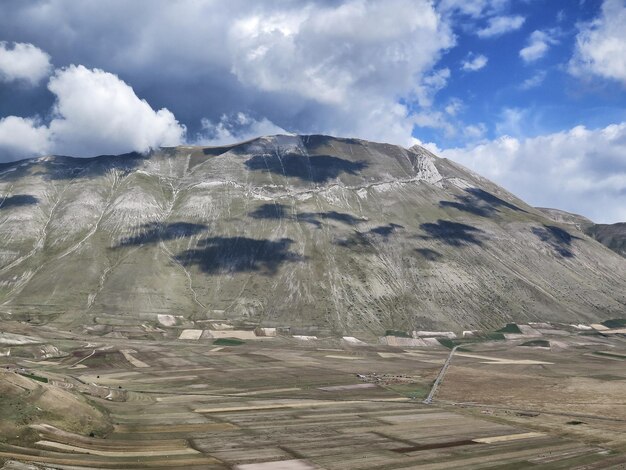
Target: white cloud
[(425, 92), (23, 62), (236, 128), (94, 113), (534, 81), (511, 121), (537, 45), (384, 121), (580, 170), (323, 67), (474, 63), (327, 53), (499, 25), (475, 131), (472, 8), (22, 138), (352, 60), (454, 106), (601, 44), (449, 122), (435, 120)]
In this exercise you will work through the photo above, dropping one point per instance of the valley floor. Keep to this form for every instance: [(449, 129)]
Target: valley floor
[(284, 403)]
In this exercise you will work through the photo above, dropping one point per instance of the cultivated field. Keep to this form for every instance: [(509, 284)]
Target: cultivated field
[(69, 401)]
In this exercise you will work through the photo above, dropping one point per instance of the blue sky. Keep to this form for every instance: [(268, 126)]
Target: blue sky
[(529, 93), (555, 102)]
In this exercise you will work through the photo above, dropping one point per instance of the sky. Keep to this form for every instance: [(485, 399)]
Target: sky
[(529, 93)]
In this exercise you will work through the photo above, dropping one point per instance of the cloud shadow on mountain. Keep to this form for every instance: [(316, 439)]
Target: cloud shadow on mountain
[(385, 230), (479, 202), (316, 168), (217, 151), (66, 168), (270, 211), (313, 141), (18, 200), (466, 206), (281, 212), (452, 233), (357, 241), (226, 255), (364, 241), (155, 232), (559, 239), (275, 211)]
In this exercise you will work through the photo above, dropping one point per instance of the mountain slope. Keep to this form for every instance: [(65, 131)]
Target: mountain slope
[(613, 236), (566, 217), (313, 232)]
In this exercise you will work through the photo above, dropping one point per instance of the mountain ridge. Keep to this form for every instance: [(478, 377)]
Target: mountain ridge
[(613, 236)]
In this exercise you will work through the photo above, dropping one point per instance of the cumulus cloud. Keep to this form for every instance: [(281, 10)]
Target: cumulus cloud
[(94, 113), (436, 120), (580, 170), (474, 63), (498, 25), (601, 44), (235, 128), (537, 45), (22, 138), (23, 62), (328, 52), (327, 67), (424, 92), (350, 61)]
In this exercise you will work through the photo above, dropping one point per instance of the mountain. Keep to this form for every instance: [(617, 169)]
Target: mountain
[(613, 236), (565, 217), (315, 233)]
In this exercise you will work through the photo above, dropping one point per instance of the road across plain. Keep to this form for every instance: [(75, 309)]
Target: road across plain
[(440, 376)]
